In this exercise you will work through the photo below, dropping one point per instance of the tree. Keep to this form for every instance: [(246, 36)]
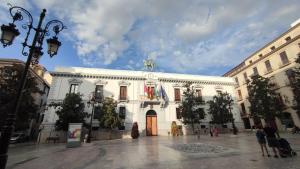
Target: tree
[(264, 102), (71, 110), (9, 82), (220, 109), (109, 117), (295, 84), (191, 111)]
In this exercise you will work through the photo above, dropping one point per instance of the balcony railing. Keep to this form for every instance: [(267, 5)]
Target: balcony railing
[(281, 65), (268, 71), (123, 98)]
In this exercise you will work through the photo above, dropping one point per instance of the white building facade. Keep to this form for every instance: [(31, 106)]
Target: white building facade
[(131, 89)]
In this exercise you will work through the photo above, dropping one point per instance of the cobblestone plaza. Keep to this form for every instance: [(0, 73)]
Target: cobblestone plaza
[(225, 151)]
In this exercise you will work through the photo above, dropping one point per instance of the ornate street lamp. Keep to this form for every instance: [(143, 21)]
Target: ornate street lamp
[(9, 32), (94, 103), (33, 53)]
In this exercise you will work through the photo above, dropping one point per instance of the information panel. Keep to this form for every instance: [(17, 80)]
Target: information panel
[(74, 135)]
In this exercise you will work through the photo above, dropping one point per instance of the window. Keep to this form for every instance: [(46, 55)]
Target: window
[(284, 58), (268, 66), (288, 38), (280, 100), (272, 48), (237, 81), (97, 112), (41, 103), (122, 112), (73, 88), (260, 55), (240, 95), (42, 118), (290, 75), (255, 71), (243, 108), (250, 61), (199, 93), (177, 94), (219, 92), (123, 92), (46, 90), (245, 77), (178, 113), (99, 93)]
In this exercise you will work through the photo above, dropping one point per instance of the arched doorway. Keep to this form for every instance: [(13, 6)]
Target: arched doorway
[(151, 123)]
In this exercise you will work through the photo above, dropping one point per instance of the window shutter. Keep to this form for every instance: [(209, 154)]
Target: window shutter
[(177, 94), (123, 92)]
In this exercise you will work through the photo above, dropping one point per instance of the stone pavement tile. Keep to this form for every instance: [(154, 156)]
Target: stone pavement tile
[(155, 153)]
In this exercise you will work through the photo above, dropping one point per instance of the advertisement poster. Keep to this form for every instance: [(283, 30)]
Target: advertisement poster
[(74, 135)]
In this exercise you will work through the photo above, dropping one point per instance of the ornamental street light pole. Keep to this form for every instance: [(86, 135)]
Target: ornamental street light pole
[(94, 101), (9, 32), (91, 102)]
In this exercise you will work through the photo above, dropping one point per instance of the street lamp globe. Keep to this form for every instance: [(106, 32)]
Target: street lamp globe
[(36, 54), (53, 45), (9, 32)]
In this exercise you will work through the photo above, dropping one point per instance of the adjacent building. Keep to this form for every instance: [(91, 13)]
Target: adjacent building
[(153, 111), (43, 78), (275, 61)]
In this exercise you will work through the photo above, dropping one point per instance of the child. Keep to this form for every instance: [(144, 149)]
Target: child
[(260, 135)]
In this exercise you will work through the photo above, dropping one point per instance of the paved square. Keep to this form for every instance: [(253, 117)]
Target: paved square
[(226, 151)]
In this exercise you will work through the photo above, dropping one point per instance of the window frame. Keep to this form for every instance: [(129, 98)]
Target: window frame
[(122, 114), (268, 66), (74, 88), (284, 58), (123, 93), (177, 95)]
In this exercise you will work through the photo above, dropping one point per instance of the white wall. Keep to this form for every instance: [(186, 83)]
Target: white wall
[(134, 113)]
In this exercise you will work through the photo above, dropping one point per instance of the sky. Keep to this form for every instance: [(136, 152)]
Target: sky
[(207, 37)]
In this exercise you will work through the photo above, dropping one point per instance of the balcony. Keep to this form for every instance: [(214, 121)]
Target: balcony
[(281, 65), (123, 99), (268, 71)]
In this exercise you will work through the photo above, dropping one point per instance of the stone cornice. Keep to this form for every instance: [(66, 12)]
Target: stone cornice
[(115, 77), (199, 82), (95, 76)]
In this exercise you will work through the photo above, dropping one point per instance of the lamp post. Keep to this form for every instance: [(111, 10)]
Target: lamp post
[(94, 103), (9, 33)]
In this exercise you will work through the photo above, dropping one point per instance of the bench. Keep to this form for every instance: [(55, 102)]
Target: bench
[(54, 139)]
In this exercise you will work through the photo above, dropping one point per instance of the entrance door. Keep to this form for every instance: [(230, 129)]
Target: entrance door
[(151, 123)]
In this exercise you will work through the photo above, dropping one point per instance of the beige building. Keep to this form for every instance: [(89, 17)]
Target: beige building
[(275, 61), (43, 78)]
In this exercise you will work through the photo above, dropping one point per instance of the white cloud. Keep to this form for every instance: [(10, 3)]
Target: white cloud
[(184, 36)]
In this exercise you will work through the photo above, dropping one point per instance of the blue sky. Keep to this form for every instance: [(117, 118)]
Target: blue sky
[(206, 37)]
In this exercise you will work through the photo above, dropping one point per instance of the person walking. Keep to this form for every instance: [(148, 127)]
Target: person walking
[(260, 135), (211, 132), (271, 133)]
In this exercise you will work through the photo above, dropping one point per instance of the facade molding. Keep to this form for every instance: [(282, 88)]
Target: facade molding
[(138, 78), (75, 81), (101, 82), (124, 83)]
